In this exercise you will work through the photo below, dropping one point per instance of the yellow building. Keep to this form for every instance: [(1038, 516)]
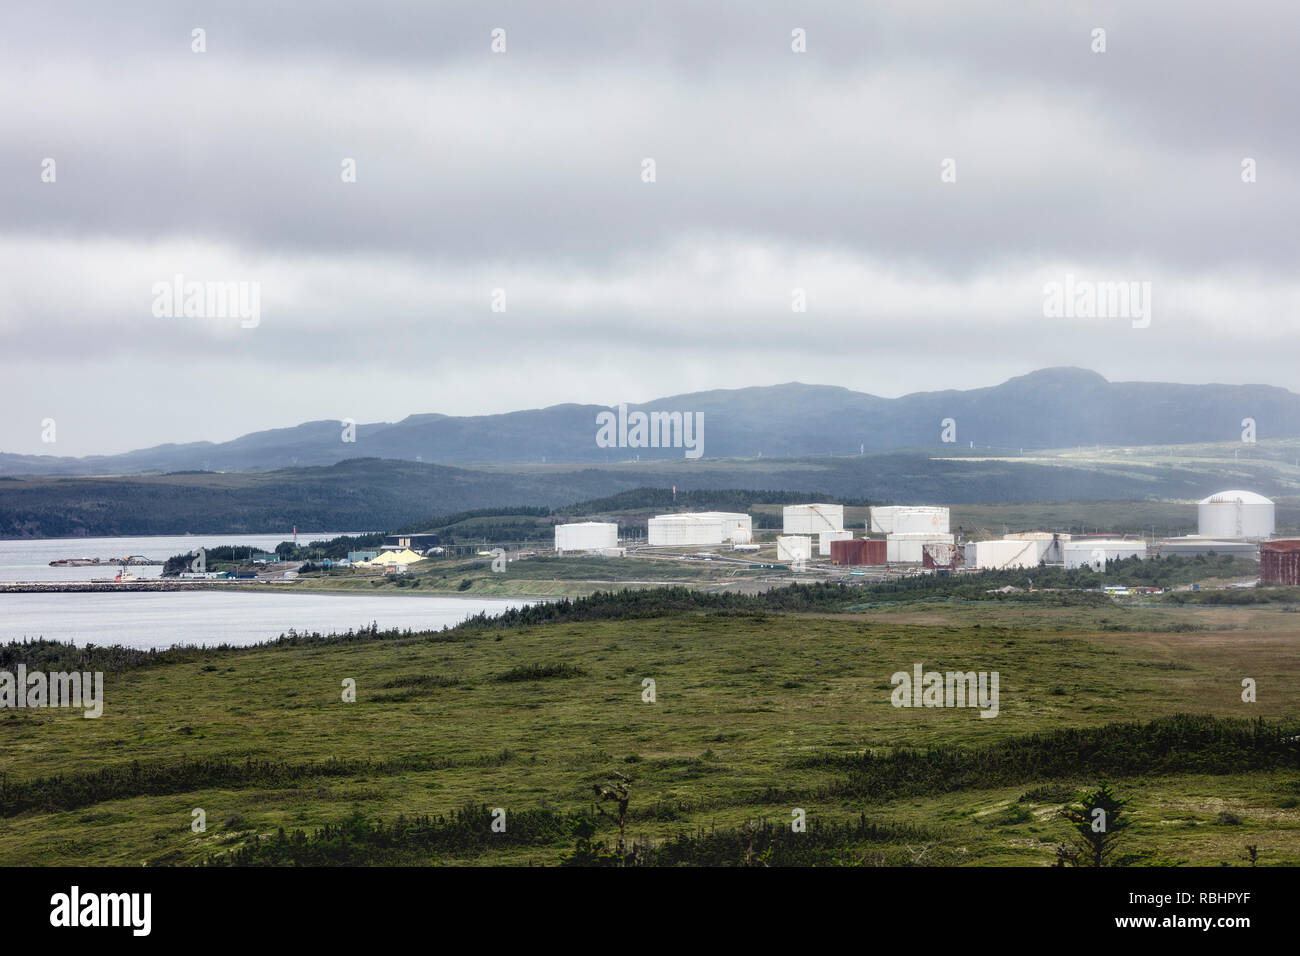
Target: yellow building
[(405, 556)]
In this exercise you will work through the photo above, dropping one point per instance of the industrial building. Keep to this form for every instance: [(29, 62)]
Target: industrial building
[(812, 519), (413, 542), (1235, 514), (859, 551), (1095, 552), (909, 547), (391, 558), (1279, 562), (586, 536), (908, 519), (795, 547)]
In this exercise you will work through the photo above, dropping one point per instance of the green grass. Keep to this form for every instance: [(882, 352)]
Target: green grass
[(755, 713)]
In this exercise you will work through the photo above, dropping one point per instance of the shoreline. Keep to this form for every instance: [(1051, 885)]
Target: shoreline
[(112, 587)]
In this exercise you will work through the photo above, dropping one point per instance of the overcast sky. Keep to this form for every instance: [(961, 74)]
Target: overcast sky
[(523, 171)]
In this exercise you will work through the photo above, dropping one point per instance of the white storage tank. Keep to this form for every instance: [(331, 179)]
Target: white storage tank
[(881, 518), (908, 519), (921, 520), (1235, 514), (678, 530), (826, 537), (1095, 552), (737, 527), (910, 548), (585, 536), (1000, 555), (812, 519), (793, 548), (1051, 543)]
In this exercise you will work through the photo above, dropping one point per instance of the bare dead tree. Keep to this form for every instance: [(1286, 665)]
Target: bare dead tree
[(619, 791)]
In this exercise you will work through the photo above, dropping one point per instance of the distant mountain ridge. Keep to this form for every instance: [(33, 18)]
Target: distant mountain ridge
[(1050, 408)]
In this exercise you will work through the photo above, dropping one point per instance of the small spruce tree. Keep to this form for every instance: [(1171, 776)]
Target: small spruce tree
[(1097, 821)]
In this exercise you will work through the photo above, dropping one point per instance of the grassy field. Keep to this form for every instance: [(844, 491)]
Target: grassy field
[(755, 714), (541, 576)]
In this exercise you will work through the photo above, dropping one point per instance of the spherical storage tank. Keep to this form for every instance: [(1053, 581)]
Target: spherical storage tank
[(1235, 514)]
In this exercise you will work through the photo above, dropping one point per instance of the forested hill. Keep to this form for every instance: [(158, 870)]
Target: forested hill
[(1052, 408), (384, 495)]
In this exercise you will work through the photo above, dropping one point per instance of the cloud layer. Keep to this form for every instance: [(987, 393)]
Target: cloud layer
[(522, 171)]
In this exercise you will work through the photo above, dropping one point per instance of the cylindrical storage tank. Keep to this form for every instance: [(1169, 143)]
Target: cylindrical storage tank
[(812, 519), (1000, 555), (793, 548), (859, 551), (1095, 552), (847, 551), (940, 556), (826, 537), (908, 519), (875, 552), (921, 520), (1279, 562), (882, 518), (737, 527), (585, 536), (1051, 543), (677, 530), (910, 548), (1235, 514)]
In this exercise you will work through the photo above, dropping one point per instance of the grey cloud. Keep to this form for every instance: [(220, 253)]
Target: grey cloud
[(522, 171)]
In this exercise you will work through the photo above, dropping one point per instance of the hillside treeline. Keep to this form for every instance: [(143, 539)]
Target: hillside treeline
[(1068, 758), (1169, 745), (371, 493)]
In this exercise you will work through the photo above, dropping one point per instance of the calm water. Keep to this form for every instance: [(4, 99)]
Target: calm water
[(29, 560), (160, 619)]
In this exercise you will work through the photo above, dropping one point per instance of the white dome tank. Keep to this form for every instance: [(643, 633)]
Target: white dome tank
[(1235, 514)]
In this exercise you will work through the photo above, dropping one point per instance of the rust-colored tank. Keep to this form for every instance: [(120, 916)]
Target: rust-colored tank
[(858, 551), (1279, 562)]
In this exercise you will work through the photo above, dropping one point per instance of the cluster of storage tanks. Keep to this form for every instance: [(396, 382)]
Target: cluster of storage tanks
[(912, 531), (702, 529), (920, 534), (801, 523)]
